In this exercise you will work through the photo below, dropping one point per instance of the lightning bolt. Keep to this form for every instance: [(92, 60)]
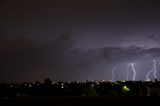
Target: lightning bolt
[(158, 64), (154, 70), (113, 73), (133, 69)]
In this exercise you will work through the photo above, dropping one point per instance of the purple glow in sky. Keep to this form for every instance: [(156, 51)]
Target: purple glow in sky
[(78, 40)]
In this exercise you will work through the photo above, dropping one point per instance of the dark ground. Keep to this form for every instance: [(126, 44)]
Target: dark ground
[(81, 101)]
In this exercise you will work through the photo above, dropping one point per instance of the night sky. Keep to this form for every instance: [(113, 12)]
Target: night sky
[(78, 39)]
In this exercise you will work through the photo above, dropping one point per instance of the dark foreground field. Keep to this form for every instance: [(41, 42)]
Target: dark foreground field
[(81, 101)]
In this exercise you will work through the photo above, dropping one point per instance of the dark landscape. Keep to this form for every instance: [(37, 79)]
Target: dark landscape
[(79, 52), (81, 101)]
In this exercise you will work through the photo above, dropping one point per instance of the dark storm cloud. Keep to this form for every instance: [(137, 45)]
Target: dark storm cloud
[(121, 53), (129, 54), (26, 58), (59, 59), (152, 36), (106, 33)]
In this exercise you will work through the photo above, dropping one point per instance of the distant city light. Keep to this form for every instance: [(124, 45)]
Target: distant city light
[(11, 86), (92, 85), (125, 88), (30, 85)]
